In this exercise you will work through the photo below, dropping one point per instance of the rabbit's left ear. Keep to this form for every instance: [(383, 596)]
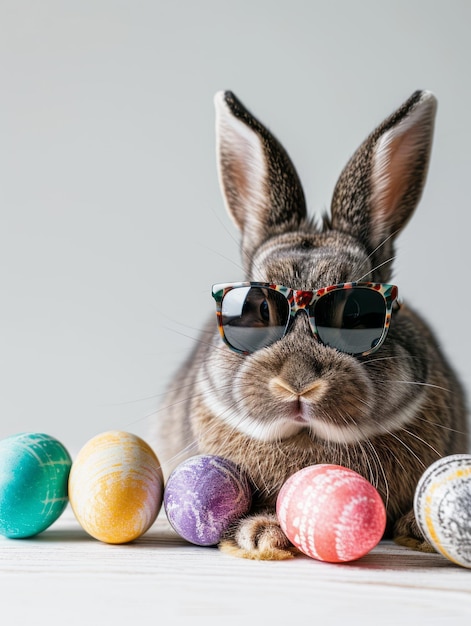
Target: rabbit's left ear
[(258, 180), (382, 183)]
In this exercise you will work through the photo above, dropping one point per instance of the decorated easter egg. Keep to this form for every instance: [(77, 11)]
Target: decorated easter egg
[(331, 513), (116, 487), (203, 496), (442, 507), (34, 469)]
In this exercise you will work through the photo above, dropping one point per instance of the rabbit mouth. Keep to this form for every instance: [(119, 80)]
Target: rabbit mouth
[(299, 416), (309, 408), (298, 411)]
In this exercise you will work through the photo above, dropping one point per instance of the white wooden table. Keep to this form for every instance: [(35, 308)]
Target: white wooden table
[(63, 576)]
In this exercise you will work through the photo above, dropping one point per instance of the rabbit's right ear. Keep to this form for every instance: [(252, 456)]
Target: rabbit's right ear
[(260, 185), (382, 183)]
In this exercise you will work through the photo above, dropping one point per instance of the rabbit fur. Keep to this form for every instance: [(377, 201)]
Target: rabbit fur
[(297, 402)]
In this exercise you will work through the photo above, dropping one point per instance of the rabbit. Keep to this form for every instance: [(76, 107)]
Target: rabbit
[(299, 401)]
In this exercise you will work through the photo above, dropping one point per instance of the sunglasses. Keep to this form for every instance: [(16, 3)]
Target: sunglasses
[(351, 317)]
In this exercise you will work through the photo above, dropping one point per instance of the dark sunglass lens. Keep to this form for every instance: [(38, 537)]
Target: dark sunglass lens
[(254, 317), (351, 320)]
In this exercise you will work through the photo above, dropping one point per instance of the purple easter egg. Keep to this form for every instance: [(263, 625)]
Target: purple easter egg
[(203, 496)]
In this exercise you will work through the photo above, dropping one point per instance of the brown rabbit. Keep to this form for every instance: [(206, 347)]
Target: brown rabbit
[(343, 375)]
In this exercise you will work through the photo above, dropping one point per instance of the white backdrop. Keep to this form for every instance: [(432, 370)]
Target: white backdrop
[(112, 224)]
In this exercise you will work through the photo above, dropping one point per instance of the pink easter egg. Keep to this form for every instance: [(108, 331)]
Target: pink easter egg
[(331, 513)]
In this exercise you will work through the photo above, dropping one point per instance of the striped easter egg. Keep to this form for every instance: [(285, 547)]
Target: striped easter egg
[(442, 506), (331, 513), (116, 487), (34, 469)]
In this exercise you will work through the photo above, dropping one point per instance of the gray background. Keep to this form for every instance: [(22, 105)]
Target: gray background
[(112, 224)]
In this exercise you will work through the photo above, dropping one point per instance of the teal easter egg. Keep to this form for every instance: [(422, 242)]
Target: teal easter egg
[(34, 472)]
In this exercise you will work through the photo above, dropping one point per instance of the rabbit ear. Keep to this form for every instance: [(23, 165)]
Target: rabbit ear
[(382, 183), (259, 183)]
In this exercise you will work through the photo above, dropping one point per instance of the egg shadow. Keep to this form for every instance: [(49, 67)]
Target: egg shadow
[(390, 556)]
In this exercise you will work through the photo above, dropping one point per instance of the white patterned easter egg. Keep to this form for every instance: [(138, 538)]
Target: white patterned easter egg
[(442, 506)]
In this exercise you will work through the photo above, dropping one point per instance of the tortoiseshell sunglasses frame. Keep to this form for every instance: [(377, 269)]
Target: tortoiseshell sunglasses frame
[(300, 299)]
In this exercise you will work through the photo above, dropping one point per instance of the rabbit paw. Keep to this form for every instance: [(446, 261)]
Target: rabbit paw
[(258, 537), (407, 533)]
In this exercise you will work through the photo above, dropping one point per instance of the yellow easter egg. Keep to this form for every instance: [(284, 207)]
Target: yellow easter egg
[(116, 487)]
